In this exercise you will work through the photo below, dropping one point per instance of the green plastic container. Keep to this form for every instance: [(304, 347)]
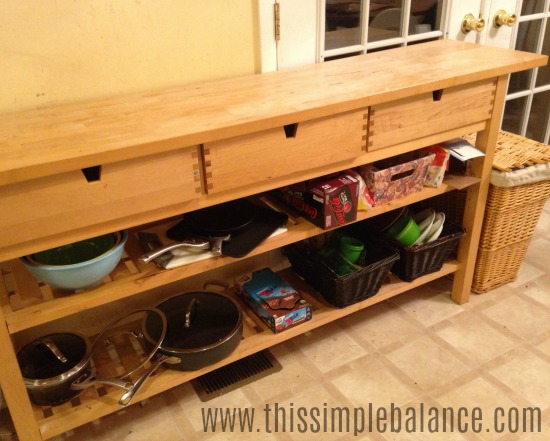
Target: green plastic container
[(351, 248), (409, 234)]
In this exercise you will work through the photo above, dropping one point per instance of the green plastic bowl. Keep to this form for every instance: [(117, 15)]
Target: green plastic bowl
[(409, 234), (100, 259), (351, 248), (399, 224)]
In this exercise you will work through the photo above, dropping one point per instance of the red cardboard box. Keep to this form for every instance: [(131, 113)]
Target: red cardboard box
[(328, 202)]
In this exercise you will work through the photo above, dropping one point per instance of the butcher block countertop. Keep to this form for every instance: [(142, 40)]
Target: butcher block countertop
[(48, 141)]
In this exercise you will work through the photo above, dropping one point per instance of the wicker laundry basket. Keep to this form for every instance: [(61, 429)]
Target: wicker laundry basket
[(511, 213)]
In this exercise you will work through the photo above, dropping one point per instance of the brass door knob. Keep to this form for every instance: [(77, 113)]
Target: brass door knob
[(502, 18), (471, 23)]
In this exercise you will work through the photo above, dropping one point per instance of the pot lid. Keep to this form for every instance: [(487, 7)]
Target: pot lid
[(53, 358), (196, 321), (123, 328)]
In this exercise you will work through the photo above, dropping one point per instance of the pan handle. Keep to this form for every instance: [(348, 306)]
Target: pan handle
[(201, 245), (127, 397), (217, 242), (90, 379)]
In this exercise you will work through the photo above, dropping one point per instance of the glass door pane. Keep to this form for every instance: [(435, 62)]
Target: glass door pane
[(532, 7), (543, 73), (539, 116), (513, 115), (342, 23), (384, 21), (425, 16)]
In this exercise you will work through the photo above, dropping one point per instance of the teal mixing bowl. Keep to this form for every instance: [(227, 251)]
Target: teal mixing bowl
[(78, 265)]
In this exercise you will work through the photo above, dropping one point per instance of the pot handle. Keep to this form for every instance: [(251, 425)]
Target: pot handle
[(49, 343), (90, 379), (201, 245), (219, 283), (127, 397), (108, 338), (188, 312)]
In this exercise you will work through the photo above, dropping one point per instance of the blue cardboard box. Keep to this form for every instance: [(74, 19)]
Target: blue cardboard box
[(276, 302)]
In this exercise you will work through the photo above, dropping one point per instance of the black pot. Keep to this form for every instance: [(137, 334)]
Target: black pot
[(203, 328), (51, 364), (57, 367)]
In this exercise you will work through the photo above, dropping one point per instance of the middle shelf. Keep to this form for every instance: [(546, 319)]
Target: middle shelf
[(27, 303)]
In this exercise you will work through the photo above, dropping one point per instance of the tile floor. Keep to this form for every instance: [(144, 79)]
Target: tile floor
[(419, 351)]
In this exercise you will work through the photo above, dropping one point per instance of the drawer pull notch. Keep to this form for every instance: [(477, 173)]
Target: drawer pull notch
[(437, 94), (290, 130), (92, 174)]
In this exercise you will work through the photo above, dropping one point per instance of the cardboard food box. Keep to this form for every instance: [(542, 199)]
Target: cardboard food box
[(396, 177), (328, 202), (440, 164), (276, 302)]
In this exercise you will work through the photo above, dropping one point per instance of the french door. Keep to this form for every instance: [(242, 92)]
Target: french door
[(311, 31), (527, 110)]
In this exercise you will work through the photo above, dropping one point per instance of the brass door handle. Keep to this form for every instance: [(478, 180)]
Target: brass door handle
[(502, 18), (471, 23)]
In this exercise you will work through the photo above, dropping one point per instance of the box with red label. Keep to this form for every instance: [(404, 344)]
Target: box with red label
[(327, 202), (438, 167), (276, 302)]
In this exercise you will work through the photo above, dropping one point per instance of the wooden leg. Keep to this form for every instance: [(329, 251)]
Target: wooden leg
[(14, 389), (477, 198)]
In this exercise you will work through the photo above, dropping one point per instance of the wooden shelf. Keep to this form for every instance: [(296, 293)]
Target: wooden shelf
[(96, 402), (27, 303)]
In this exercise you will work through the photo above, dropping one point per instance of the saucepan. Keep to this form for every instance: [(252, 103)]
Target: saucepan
[(203, 327), (56, 367), (52, 364)]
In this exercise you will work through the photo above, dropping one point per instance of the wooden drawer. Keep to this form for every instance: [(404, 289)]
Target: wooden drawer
[(259, 157), (430, 113), (43, 207)]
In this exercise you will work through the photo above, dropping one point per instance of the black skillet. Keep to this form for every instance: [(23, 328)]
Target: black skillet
[(207, 228), (240, 224)]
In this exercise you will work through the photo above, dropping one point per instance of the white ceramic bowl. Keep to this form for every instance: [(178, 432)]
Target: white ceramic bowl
[(437, 227), (424, 219)]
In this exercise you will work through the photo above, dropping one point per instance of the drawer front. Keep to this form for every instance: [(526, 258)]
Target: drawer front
[(429, 113), (259, 157), (68, 201)]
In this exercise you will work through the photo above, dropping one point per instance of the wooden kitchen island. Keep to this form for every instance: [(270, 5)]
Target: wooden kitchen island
[(76, 171)]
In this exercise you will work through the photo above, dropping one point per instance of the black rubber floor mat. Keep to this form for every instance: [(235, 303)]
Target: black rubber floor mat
[(235, 375)]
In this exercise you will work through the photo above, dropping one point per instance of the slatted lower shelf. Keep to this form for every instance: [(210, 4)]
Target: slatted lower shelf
[(96, 402)]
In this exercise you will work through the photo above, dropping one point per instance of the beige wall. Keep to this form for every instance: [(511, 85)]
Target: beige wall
[(58, 51)]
